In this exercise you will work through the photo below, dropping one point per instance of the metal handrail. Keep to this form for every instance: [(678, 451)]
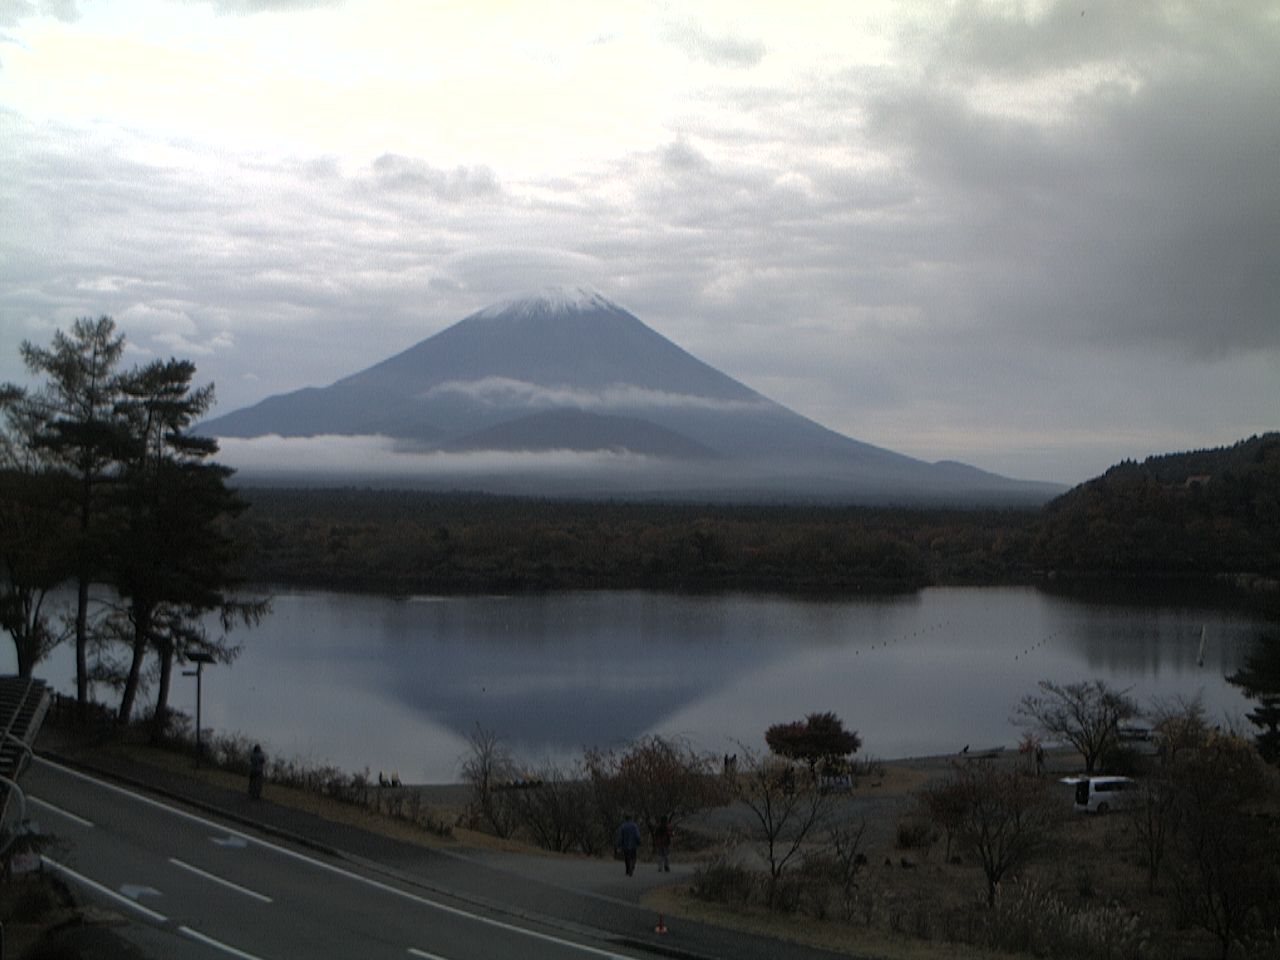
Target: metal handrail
[(4, 806), (22, 745)]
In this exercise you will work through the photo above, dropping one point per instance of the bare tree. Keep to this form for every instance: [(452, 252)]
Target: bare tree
[(1153, 815), (1086, 715), (848, 856), (1179, 725), (558, 811), (488, 767), (654, 777), (947, 804), (1224, 865), (1007, 818), (787, 809)]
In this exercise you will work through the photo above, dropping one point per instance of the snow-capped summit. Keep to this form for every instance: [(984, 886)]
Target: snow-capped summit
[(551, 300)]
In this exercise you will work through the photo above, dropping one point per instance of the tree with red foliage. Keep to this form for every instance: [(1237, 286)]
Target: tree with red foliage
[(819, 737)]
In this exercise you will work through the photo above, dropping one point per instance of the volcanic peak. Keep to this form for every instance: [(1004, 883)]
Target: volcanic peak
[(549, 301)]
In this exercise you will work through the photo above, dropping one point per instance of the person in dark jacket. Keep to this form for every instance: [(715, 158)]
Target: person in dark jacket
[(257, 769), (627, 842), (662, 844)]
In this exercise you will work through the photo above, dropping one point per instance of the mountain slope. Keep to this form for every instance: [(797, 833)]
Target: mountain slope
[(1199, 513), (572, 371)]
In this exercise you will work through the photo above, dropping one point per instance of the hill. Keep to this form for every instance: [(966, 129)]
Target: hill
[(1197, 513)]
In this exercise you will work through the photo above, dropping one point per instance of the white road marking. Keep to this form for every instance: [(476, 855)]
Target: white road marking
[(105, 891), (443, 907), (236, 843), (321, 865), (105, 785), (58, 810), (136, 891), (216, 879), (415, 952), (217, 944)]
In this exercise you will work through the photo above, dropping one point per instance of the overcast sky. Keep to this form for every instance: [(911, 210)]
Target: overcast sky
[(1036, 237)]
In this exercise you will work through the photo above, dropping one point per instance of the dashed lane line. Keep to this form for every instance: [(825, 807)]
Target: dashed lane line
[(74, 818), (105, 891), (214, 878), (217, 944)]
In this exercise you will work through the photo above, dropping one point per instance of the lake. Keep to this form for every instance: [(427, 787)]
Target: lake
[(395, 684)]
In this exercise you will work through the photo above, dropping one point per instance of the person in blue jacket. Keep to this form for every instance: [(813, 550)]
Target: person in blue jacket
[(627, 842)]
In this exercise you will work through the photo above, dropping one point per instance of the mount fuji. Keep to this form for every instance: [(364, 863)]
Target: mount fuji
[(567, 393)]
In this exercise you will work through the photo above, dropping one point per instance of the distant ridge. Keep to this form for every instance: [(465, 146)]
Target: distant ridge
[(566, 392)]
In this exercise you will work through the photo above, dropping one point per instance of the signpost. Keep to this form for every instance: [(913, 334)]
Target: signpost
[(199, 658)]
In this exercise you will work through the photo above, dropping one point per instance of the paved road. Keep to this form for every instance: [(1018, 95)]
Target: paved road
[(214, 891)]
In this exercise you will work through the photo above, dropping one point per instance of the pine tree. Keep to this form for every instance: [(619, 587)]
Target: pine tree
[(81, 433), (1259, 678), (173, 562)]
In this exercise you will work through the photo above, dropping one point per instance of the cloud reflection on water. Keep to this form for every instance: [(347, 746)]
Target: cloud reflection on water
[(397, 684)]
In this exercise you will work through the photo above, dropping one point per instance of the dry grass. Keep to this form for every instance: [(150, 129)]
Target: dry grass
[(447, 803), (328, 808), (676, 902)]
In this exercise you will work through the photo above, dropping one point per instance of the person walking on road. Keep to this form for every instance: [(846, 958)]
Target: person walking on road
[(627, 842), (257, 768), (662, 844)]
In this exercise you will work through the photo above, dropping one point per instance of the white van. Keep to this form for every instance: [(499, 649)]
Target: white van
[(1102, 794)]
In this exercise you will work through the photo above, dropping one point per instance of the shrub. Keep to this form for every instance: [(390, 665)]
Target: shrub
[(34, 897), (654, 777), (728, 883), (915, 833), (557, 810), (1026, 918)]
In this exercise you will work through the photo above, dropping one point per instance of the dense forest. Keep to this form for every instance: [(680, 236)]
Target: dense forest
[(1199, 514), (409, 541), (1205, 514)]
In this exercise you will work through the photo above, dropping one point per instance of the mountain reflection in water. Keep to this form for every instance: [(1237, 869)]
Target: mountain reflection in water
[(397, 684)]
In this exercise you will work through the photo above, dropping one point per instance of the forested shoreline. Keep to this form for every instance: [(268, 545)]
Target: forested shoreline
[(400, 541), (1203, 518)]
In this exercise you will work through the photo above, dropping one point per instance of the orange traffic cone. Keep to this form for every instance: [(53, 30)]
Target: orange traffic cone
[(661, 927)]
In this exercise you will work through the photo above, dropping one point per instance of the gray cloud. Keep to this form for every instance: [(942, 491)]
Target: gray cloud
[(723, 49), (890, 252), (1146, 214), (394, 172), (246, 8), (14, 11), (330, 455), (504, 391)]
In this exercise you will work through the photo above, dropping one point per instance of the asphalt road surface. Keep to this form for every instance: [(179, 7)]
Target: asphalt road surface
[(204, 890)]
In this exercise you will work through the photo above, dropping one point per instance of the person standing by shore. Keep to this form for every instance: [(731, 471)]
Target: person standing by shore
[(627, 842)]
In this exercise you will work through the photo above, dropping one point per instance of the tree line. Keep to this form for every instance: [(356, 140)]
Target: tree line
[(104, 486), (1204, 516), (409, 541)]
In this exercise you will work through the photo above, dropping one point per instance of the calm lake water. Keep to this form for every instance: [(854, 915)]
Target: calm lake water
[(396, 684)]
